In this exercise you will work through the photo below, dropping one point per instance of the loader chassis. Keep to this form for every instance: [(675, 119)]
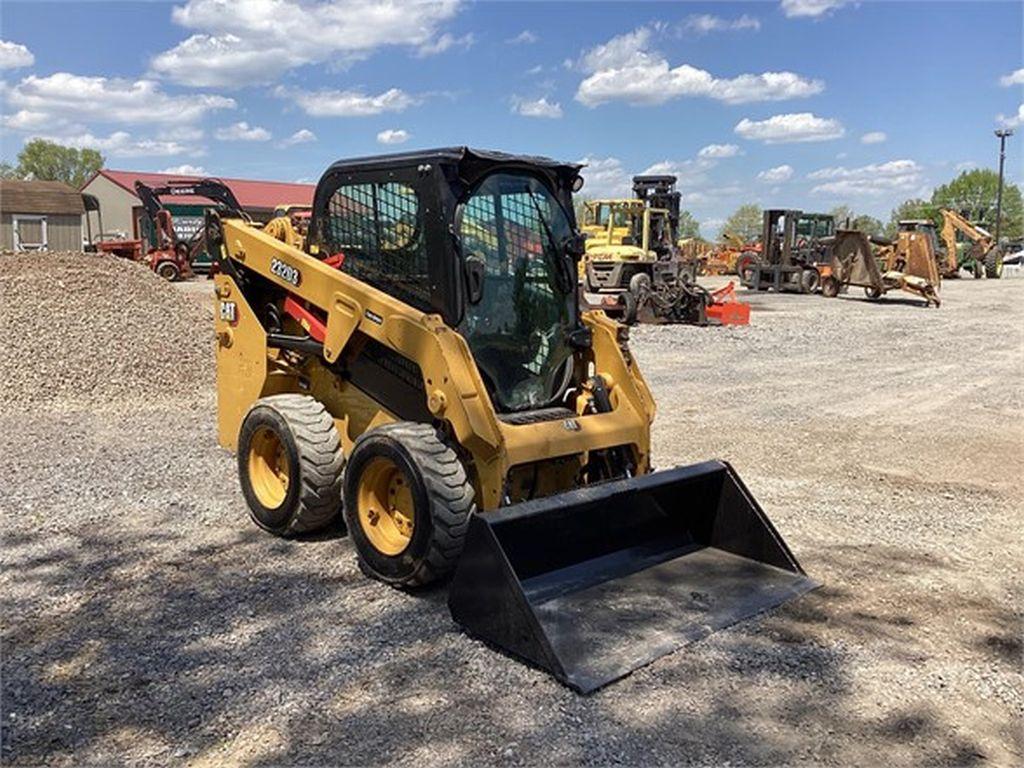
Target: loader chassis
[(429, 342)]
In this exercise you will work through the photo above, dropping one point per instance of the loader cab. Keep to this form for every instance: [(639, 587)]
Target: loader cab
[(487, 241)]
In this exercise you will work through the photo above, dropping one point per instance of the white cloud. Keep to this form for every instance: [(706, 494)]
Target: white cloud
[(1013, 121), (242, 132), (122, 144), (15, 55), (622, 69), (392, 136), (536, 107), (186, 170), (64, 99), (777, 174), (350, 103), (301, 136), (810, 8), (785, 129), (605, 177), (873, 137), (526, 37), (251, 42), (869, 180), (712, 226), (966, 165), (443, 43), (1014, 78), (705, 22), (718, 151)]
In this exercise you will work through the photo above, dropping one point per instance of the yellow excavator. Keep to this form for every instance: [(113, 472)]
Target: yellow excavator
[(981, 255), (422, 371)]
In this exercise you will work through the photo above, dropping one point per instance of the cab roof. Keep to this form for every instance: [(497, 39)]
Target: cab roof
[(471, 160)]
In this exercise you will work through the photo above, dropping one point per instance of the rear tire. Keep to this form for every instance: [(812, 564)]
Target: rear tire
[(994, 263), (290, 464), (407, 504), (744, 263)]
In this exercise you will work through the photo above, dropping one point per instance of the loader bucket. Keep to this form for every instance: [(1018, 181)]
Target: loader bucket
[(594, 583)]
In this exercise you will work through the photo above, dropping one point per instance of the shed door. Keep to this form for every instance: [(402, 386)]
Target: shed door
[(29, 233)]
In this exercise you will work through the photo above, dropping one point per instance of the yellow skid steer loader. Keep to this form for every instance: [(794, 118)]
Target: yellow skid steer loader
[(423, 369)]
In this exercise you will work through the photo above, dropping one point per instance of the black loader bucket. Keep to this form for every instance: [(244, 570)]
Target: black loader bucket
[(594, 583)]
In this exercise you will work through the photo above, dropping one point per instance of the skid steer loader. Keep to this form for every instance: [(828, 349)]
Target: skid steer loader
[(424, 370)]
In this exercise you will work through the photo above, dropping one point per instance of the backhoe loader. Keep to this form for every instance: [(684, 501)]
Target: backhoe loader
[(981, 257), (423, 370)]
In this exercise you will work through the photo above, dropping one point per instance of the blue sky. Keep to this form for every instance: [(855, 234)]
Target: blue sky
[(802, 103)]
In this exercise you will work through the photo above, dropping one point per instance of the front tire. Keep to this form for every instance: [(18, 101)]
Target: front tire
[(289, 464), (830, 287), (407, 504), (169, 271)]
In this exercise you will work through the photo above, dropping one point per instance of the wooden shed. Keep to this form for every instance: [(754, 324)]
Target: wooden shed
[(40, 216)]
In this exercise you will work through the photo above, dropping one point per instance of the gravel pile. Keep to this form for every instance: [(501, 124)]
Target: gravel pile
[(86, 328)]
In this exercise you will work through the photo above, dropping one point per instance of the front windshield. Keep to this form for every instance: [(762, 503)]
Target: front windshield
[(514, 228)]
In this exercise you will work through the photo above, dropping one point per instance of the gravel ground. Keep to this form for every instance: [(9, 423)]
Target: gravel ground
[(146, 621)]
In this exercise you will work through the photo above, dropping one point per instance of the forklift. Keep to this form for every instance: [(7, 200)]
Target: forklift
[(795, 252)]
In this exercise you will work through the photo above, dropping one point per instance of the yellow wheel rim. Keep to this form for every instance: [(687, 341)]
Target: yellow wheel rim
[(387, 513), (269, 468)]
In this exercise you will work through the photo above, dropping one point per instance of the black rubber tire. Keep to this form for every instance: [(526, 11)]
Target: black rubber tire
[(994, 263), (315, 461), (829, 287), (169, 271), (639, 283), (809, 279), (629, 307), (745, 260), (441, 492), (872, 292)]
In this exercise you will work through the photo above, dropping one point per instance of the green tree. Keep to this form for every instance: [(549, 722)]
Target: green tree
[(688, 225), (842, 213), (911, 209), (48, 161), (8, 171), (867, 224), (973, 194), (744, 222)]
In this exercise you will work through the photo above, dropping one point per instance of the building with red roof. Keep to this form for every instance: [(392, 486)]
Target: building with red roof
[(123, 212)]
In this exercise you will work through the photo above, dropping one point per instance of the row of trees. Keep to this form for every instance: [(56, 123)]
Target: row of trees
[(47, 161), (972, 193)]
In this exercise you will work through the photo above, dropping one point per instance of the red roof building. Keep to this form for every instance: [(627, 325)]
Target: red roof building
[(121, 209)]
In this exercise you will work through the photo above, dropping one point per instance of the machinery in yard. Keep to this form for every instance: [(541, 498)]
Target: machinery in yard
[(722, 260), (794, 255), (424, 369), (909, 264), (290, 224), (980, 255), (104, 242), (172, 257), (632, 265)]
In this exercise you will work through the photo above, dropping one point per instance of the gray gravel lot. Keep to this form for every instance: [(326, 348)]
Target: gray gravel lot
[(146, 621)]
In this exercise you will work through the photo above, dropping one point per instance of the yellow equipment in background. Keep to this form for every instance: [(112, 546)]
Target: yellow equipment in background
[(982, 256), (423, 370)]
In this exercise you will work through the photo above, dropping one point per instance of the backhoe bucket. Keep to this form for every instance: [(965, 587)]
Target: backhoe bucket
[(594, 583)]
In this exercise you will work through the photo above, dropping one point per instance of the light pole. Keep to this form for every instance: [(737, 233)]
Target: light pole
[(1002, 133)]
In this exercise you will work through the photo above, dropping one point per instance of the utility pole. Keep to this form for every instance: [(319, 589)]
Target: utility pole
[(1002, 133)]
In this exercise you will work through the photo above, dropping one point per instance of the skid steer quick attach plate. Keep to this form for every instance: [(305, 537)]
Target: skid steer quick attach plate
[(594, 583)]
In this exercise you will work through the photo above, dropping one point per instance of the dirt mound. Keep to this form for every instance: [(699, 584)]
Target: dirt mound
[(87, 328)]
